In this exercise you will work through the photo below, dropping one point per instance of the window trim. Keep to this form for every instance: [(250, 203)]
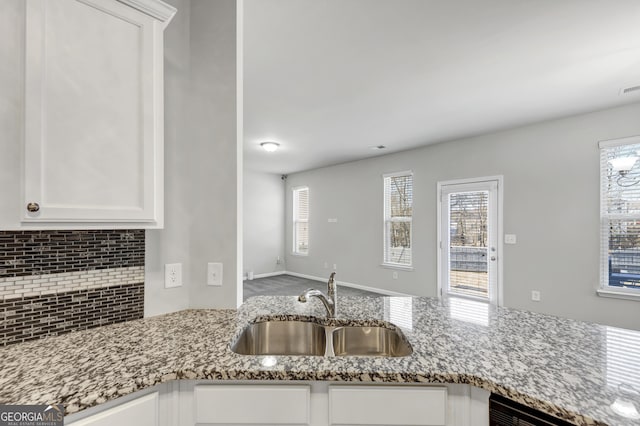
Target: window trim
[(385, 263), (617, 294), (604, 289), (397, 267), (295, 221)]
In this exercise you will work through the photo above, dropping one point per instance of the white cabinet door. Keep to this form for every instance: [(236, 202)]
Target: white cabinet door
[(387, 405), (93, 113), (142, 411), (252, 404)]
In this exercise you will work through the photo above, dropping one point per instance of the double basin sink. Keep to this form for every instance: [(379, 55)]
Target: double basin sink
[(293, 337)]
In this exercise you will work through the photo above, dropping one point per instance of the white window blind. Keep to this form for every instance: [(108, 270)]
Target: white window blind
[(398, 216), (301, 220), (620, 215)]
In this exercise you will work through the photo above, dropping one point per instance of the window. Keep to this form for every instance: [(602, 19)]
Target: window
[(301, 220), (398, 212), (620, 217)]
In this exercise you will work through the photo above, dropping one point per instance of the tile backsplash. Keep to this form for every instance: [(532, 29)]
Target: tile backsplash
[(53, 282)]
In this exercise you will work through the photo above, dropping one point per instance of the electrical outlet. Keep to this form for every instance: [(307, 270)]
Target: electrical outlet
[(214, 273), (335, 266), (535, 295), (326, 265), (395, 275), (510, 238), (172, 275), (278, 260)]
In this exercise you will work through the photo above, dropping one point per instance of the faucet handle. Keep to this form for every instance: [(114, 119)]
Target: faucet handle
[(331, 280), (331, 285)]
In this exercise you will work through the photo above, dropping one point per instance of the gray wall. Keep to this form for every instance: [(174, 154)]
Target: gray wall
[(171, 244), (201, 160), (551, 202), (263, 222)]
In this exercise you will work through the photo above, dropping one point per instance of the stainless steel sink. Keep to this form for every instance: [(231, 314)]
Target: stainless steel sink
[(309, 338), (282, 338), (371, 341)]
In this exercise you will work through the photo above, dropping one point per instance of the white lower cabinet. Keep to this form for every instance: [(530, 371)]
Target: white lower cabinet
[(142, 411), (274, 403), (387, 405), (252, 404)]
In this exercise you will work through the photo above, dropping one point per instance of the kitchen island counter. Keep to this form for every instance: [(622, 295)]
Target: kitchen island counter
[(570, 369)]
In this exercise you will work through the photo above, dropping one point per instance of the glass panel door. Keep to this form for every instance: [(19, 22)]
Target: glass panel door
[(469, 251)]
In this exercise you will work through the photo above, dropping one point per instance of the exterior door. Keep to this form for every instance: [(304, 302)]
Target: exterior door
[(469, 248)]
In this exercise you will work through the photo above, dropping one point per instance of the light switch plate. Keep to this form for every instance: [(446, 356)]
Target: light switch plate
[(172, 275), (214, 273)]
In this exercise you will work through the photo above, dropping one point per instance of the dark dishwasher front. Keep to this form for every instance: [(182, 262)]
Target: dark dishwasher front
[(505, 412)]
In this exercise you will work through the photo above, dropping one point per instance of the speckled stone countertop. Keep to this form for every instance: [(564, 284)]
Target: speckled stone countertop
[(567, 368)]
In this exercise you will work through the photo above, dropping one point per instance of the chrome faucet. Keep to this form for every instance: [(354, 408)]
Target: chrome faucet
[(330, 300)]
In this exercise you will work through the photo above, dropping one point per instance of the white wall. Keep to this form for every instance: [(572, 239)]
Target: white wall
[(201, 160), (551, 202), (263, 222)]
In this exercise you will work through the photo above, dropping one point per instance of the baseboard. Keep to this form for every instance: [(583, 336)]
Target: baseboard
[(346, 284), (266, 275)]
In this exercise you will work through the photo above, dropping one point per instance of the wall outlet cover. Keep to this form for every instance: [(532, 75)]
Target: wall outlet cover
[(172, 275), (510, 238)]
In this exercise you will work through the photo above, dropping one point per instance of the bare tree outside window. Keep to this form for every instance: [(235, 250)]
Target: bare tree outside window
[(469, 215), (468, 238)]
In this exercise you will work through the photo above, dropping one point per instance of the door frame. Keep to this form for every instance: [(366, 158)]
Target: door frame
[(499, 179)]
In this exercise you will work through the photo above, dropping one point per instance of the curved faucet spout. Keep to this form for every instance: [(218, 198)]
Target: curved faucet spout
[(310, 292)]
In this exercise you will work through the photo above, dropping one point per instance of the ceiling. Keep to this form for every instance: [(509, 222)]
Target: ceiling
[(329, 79)]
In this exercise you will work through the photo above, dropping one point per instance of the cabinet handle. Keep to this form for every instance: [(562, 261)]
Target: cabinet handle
[(33, 207)]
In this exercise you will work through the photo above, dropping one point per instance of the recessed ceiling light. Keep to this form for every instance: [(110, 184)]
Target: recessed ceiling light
[(378, 147), (270, 146)]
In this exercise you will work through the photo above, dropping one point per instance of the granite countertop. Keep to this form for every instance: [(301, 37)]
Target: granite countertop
[(568, 368)]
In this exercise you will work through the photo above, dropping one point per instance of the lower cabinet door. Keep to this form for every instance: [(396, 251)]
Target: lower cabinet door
[(387, 405), (252, 404), (142, 411)]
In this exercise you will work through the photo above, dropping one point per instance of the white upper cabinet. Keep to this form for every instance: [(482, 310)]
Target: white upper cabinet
[(94, 112)]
